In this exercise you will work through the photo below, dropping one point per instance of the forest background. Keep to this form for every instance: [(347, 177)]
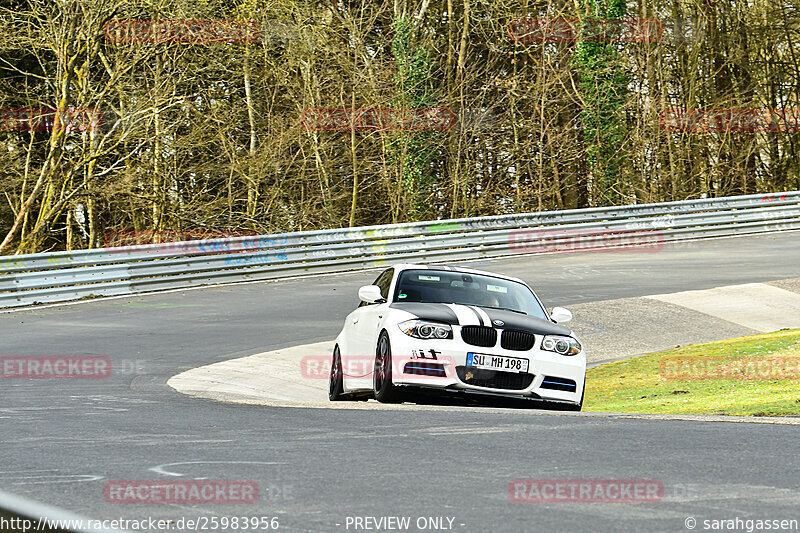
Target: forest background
[(307, 115)]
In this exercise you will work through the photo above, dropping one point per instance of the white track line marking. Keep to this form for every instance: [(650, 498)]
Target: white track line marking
[(161, 469)]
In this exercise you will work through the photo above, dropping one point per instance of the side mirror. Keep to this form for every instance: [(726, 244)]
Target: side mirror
[(370, 294), (561, 315)]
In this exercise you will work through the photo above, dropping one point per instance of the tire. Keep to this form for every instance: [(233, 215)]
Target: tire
[(336, 380), (384, 390)]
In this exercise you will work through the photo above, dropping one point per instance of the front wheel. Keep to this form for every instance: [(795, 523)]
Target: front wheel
[(336, 381), (385, 391)]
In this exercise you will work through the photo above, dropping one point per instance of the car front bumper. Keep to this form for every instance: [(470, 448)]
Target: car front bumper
[(550, 376)]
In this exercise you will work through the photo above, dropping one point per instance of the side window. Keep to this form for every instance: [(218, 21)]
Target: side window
[(384, 281)]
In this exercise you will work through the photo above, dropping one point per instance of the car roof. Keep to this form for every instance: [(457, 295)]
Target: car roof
[(451, 268)]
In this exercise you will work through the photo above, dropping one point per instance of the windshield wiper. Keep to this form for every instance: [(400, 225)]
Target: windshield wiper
[(490, 307), (504, 309)]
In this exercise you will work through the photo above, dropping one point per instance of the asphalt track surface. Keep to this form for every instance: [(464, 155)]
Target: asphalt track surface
[(62, 440)]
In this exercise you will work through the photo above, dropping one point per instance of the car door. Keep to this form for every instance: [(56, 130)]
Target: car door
[(363, 335)]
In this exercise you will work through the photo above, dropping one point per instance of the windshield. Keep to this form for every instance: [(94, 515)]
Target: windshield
[(441, 286)]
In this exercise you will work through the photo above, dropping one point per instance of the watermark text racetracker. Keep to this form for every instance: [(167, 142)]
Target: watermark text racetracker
[(747, 368), (203, 242), (138, 237), (38, 119), (551, 30), (66, 366), (55, 367), (181, 31), (378, 119), (732, 120), (170, 241), (595, 240), (585, 490), (181, 492), (202, 31), (420, 365)]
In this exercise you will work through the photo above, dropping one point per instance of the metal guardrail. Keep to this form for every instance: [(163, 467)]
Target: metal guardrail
[(19, 514), (64, 276)]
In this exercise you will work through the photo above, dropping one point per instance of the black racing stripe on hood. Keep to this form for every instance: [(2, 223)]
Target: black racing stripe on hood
[(428, 311), (527, 323)]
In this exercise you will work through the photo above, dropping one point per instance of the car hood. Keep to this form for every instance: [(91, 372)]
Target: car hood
[(450, 313)]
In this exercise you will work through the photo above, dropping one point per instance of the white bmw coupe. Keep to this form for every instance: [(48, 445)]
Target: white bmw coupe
[(457, 330)]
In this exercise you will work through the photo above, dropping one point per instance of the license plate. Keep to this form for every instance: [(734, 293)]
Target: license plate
[(497, 362)]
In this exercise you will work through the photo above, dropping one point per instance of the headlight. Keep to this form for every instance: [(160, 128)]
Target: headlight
[(562, 345), (426, 330)]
